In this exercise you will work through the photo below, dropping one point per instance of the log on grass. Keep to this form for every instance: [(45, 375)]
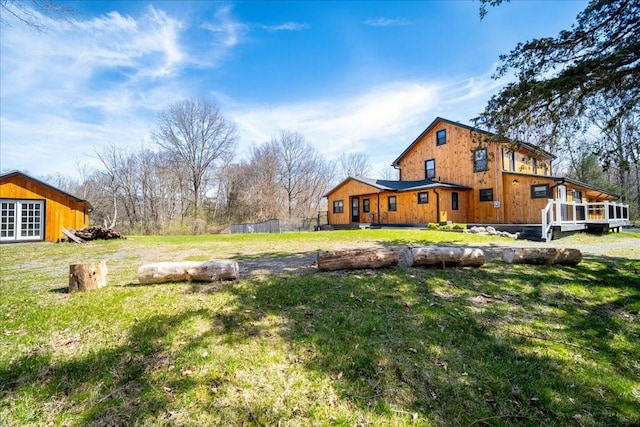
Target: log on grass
[(87, 276), (356, 259), (442, 256), (189, 271), (542, 256), (403, 256)]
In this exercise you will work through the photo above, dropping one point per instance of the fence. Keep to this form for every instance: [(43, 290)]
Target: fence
[(277, 225)]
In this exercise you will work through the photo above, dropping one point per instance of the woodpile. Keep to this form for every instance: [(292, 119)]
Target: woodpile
[(542, 256), (404, 256), (92, 233)]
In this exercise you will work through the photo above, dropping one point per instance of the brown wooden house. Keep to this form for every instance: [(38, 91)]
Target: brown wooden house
[(32, 210), (456, 173)]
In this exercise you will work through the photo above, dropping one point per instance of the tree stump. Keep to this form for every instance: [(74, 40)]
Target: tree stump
[(188, 271), (87, 276), (542, 256)]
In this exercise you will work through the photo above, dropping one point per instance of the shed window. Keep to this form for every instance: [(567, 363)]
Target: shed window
[(540, 191), (454, 201), (338, 206), (486, 194), (480, 163), (392, 204), (423, 198), (430, 169), (441, 137)]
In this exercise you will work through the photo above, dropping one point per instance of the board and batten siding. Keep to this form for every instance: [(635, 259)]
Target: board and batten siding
[(351, 188), (454, 164), (60, 210)]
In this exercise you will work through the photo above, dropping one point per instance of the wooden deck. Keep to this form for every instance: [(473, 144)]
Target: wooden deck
[(560, 216)]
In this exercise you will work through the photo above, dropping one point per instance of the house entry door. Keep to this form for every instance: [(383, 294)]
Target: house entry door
[(21, 220), (355, 209)]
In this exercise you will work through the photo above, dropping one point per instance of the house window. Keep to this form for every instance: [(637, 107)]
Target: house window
[(511, 155), (338, 206), (392, 205), (480, 163), (535, 166), (577, 196), (486, 194), (545, 169), (430, 169), (366, 205), (441, 137), (423, 198), (454, 201), (540, 191)]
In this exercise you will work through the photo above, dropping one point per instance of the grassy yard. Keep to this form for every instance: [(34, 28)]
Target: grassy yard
[(494, 346)]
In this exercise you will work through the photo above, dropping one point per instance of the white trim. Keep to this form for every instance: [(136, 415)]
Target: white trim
[(24, 220)]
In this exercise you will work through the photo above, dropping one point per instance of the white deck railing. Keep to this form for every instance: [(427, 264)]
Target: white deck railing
[(568, 214)]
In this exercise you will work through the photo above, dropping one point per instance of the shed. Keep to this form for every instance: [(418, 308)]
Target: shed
[(32, 210)]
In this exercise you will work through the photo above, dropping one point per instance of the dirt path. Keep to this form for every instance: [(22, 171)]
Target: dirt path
[(306, 261)]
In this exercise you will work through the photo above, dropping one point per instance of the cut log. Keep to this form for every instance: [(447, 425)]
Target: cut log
[(360, 258), (441, 256), (542, 256), (189, 271), (403, 256), (71, 235), (87, 276)]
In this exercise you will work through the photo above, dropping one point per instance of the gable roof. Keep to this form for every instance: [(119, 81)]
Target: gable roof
[(29, 177), (399, 186), (530, 147)]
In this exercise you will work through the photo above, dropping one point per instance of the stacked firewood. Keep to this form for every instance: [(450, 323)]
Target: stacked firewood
[(98, 233)]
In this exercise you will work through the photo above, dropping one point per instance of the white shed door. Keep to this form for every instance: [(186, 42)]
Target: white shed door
[(21, 220)]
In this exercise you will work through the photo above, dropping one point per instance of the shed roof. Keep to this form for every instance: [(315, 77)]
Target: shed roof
[(529, 147), (29, 177)]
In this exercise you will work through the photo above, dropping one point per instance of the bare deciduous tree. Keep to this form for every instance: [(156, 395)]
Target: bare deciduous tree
[(354, 164), (30, 12), (196, 134)]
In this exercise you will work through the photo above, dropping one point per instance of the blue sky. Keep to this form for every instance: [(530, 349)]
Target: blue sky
[(349, 76)]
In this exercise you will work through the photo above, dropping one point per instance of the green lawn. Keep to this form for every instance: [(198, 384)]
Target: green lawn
[(494, 346)]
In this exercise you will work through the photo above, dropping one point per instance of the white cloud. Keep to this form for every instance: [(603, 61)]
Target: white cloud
[(388, 22), (380, 122), (287, 26)]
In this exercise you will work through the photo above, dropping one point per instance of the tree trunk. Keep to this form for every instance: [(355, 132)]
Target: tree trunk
[(403, 256), (447, 256), (87, 276), (542, 256), (360, 259), (190, 271)]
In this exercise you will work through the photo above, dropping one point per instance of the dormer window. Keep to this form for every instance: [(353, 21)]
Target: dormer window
[(441, 137), (480, 163)]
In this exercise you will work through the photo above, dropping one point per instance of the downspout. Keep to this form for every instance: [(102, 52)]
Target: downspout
[(437, 205), (379, 213)]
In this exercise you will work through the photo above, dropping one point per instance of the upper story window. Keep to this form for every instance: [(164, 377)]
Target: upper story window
[(511, 161), (441, 137), (338, 206), (430, 169), (480, 163), (535, 166)]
